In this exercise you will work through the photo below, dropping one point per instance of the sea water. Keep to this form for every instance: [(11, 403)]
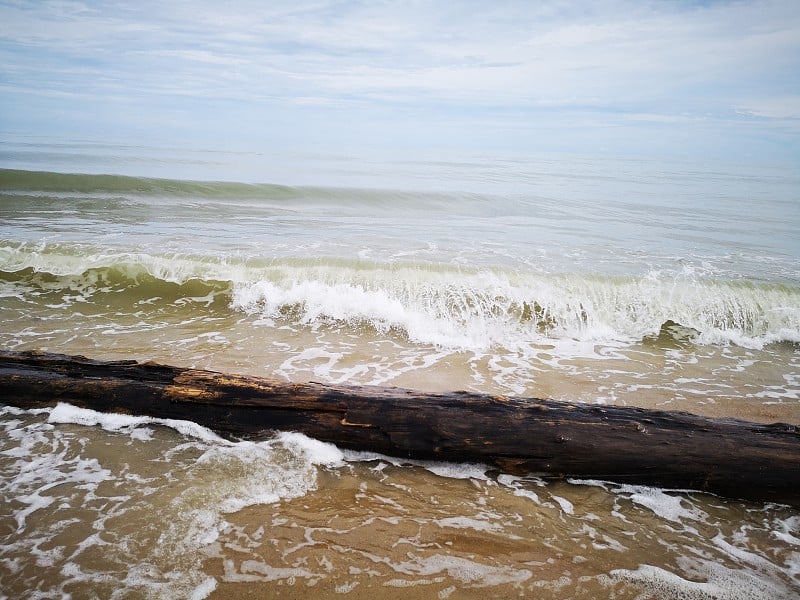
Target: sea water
[(622, 281)]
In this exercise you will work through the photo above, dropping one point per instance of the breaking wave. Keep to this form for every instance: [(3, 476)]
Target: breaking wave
[(430, 303)]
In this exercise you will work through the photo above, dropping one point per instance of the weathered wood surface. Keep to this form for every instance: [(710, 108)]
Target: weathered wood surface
[(631, 445)]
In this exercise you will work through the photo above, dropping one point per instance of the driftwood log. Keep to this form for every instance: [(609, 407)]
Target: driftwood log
[(520, 435)]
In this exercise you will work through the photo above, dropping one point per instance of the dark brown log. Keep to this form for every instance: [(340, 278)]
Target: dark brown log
[(631, 445)]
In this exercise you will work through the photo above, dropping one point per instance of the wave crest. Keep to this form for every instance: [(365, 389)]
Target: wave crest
[(478, 310), (444, 305)]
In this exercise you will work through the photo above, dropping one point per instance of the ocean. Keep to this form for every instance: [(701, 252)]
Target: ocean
[(660, 284)]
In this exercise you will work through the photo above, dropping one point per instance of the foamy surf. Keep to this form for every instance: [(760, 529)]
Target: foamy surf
[(293, 512), (716, 581), (431, 303), (192, 477)]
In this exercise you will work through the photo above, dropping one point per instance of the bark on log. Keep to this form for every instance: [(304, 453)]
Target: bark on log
[(520, 435)]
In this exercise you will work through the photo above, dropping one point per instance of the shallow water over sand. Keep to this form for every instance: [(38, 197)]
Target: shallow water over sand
[(116, 507)]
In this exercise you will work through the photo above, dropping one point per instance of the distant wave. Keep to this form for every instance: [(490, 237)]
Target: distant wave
[(472, 309), (38, 184), (45, 181)]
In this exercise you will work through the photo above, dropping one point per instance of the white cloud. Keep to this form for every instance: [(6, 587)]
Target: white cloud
[(652, 61), (776, 107)]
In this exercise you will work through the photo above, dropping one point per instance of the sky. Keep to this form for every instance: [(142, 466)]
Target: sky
[(673, 78)]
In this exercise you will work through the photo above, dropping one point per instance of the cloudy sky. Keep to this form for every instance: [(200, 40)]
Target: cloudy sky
[(675, 78)]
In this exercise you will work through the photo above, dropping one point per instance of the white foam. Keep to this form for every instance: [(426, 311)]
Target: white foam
[(254, 473), (508, 480), (478, 310), (67, 261), (252, 571), (41, 464), (786, 528), (68, 414), (33, 503), (721, 582), (353, 303), (465, 571), (7, 409), (204, 589), (660, 503), (315, 451), (523, 493), (442, 469), (322, 370), (565, 504), (456, 470), (744, 556), (467, 523), (517, 485)]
